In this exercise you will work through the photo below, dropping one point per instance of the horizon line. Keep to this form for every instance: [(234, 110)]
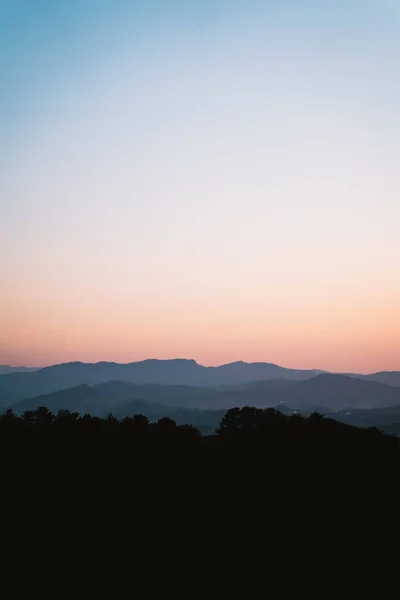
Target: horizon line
[(193, 361)]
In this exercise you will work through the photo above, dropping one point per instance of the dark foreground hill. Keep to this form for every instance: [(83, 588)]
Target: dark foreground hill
[(258, 454), (121, 493)]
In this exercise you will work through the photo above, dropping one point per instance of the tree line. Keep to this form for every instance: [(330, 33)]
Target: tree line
[(242, 426), (259, 464)]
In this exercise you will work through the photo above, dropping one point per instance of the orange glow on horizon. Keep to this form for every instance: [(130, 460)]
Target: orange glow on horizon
[(356, 336), (174, 202)]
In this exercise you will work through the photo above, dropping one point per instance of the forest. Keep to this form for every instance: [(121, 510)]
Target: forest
[(118, 491), (253, 451)]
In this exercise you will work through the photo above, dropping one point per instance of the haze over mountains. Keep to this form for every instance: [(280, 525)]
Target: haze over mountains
[(19, 386), (8, 369), (321, 392), (184, 389), (169, 372), (24, 383)]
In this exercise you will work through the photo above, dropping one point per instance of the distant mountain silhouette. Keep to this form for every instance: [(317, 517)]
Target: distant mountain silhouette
[(82, 398), (8, 369), (182, 396), (375, 417), (323, 393), (187, 384), (389, 377), (339, 392), (171, 372)]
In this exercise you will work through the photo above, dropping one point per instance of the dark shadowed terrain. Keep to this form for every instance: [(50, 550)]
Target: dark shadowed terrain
[(262, 456), (84, 478)]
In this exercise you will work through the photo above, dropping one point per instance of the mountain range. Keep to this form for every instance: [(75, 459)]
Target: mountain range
[(8, 369), (324, 391), (192, 393), (20, 385)]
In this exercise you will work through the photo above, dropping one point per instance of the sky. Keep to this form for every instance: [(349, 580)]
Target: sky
[(208, 179)]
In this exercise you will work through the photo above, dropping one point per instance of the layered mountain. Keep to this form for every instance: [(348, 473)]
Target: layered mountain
[(8, 369), (389, 377), (198, 385), (323, 392), (82, 399), (85, 399), (16, 386)]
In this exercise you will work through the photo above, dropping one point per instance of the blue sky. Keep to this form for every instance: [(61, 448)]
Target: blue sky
[(210, 174)]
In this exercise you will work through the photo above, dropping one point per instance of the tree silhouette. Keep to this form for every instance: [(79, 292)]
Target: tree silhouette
[(66, 416), (9, 417), (29, 416), (43, 416)]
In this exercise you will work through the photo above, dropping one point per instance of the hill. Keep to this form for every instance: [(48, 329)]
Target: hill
[(389, 377), (340, 391), (321, 393), (332, 393), (8, 369), (82, 399), (19, 386), (86, 400)]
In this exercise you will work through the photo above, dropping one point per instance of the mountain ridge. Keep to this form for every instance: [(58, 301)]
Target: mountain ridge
[(324, 392), (18, 386), (5, 369), (14, 386)]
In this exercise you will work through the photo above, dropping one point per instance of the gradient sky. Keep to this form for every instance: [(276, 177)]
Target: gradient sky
[(211, 179)]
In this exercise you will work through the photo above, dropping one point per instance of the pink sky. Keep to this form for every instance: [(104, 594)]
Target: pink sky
[(352, 337), (218, 181)]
